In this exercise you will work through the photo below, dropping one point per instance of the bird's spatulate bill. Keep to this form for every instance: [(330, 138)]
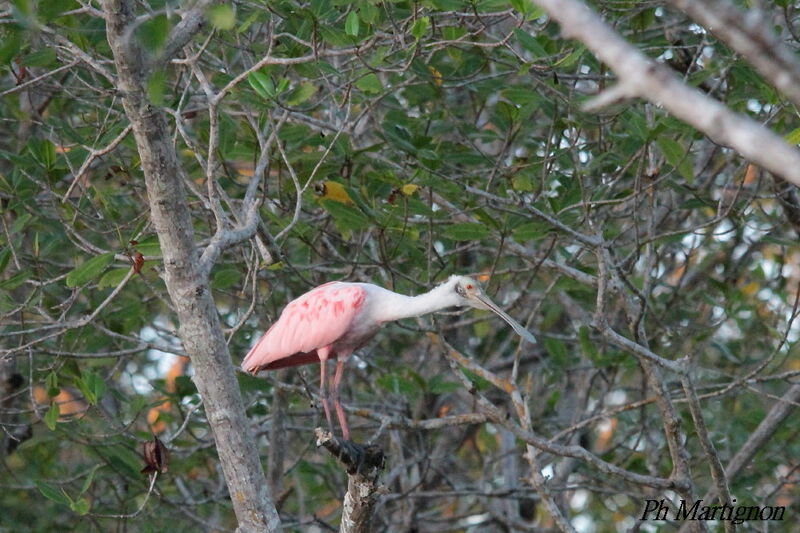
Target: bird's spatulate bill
[(518, 328)]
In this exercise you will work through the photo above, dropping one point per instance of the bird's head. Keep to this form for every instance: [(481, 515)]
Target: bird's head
[(469, 292)]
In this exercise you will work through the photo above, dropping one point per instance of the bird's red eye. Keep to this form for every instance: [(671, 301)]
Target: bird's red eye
[(469, 286)]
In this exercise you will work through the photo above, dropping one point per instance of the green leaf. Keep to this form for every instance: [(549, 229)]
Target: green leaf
[(52, 493), (451, 33), (261, 84), (248, 21), (155, 87), (793, 137), (124, 460), (420, 27), (97, 384), (89, 270), (301, 93), (334, 36), (369, 12), (48, 10), (347, 217), (571, 58), (51, 382), (557, 350), (149, 246), (370, 84), (41, 58), (225, 278), (91, 386), (686, 169), (407, 384), (478, 382), (522, 183), (46, 153), (466, 231), (672, 150), (530, 231), (80, 506), (16, 280), (283, 84), (587, 346), (51, 416), (21, 223), (521, 95), (11, 44), (221, 16), (113, 277), (184, 386), (5, 256), (677, 156), (521, 6), (438, 385), (643, 19), (529, 43), (352, 24), (153, 33)]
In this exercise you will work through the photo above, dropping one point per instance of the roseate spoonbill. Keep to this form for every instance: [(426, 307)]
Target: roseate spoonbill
[(334, 319)]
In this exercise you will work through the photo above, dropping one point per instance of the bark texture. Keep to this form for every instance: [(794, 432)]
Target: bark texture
[(363, 464), (187, 283)]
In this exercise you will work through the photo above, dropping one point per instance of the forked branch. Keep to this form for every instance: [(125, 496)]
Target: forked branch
[(363, 464)]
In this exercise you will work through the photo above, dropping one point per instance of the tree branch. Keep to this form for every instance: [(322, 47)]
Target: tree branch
[(642, 77), (749, 34), (182, 33), (757, 439), (200, 330), (717, 472), (364, 464)]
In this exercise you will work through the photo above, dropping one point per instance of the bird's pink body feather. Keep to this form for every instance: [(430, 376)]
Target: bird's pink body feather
[(321, 320)]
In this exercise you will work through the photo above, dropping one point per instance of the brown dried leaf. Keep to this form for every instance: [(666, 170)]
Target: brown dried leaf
[(156, 457), (138, 261)]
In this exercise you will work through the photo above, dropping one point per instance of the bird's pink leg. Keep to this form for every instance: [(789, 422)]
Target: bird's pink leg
[(337, 377), (322, 353)]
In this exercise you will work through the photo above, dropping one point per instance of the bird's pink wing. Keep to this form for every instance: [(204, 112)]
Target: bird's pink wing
[(313, 321)]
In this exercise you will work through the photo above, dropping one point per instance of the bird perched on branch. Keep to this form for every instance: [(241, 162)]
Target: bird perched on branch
[(335, 319)]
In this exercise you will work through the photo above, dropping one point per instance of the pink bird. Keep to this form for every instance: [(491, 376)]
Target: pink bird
[(335, 319)]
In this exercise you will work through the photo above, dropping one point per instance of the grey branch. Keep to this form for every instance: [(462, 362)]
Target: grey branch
[(498, 416), (762, 434), (786, 193), (757, 439), (717, 472), (187, 282), (364, 464), (750, 35), (640, 76), (183, 32)]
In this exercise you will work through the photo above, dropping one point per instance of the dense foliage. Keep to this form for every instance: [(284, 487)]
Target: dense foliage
[(402, 142)]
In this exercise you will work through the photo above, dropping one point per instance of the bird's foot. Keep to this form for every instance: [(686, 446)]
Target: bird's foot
[(364, 459)]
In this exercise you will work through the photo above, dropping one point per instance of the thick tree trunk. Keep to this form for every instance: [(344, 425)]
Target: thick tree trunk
[(200, 329)]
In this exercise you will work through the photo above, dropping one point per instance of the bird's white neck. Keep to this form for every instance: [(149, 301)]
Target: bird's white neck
[(393, 306)]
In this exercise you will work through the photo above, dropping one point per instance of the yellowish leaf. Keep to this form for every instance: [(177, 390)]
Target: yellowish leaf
[(437, 76), (751, 288), (409, 188), (332, 190)]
